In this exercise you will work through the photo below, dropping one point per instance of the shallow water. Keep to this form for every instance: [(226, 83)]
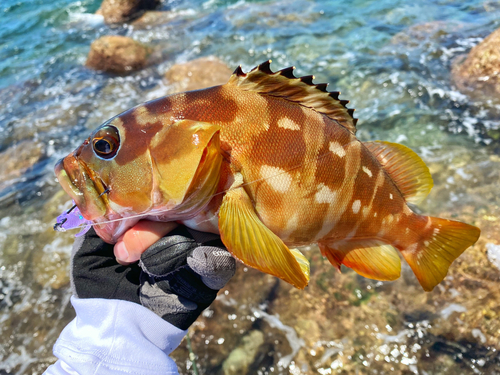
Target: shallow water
[(391, 59)]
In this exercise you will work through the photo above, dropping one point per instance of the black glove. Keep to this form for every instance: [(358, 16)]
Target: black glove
[(177, 277)]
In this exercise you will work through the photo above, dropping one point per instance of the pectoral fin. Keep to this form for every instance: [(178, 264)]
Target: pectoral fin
[(370, 258), (303, 262), (249, 240)]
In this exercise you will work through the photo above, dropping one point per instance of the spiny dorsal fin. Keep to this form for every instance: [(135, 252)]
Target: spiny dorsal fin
[(301, 90), (407, 170)]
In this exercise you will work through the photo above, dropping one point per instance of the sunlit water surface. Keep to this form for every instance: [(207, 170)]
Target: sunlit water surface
[(395, 73)]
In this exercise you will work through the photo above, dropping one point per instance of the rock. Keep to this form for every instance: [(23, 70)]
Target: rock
[(118, 11), (17, 159), (51, 268), (491, 6), (198, 74), (427, 31), (244, 355), (117, 54), (478, 74)]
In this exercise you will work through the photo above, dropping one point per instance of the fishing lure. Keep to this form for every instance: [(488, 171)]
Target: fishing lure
[(72, 219)]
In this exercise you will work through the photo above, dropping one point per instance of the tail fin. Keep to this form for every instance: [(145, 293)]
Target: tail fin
[(441, 242)]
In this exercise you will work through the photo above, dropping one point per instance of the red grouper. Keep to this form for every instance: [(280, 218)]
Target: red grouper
[(271, 162)]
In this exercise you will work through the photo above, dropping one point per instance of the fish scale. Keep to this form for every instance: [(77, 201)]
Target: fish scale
[(271, 162)]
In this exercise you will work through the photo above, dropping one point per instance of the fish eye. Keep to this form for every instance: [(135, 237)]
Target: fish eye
[(106, 142)]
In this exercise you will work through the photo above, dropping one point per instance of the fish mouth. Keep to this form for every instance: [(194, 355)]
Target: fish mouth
[(83, 186)]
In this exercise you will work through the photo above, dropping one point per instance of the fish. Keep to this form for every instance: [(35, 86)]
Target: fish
[(271, 162)]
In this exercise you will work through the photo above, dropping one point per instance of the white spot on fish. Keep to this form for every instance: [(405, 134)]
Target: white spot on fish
[(351, 234), (429, 223), (426, 243), (366, 211), (291, 225), (390, 196), (143, 116), (356, 206), (436, 230), (276, 177), (375, 214), (412, 248), (337, 149), (325, 195), (367, 171), (286, 123), (117, 122)]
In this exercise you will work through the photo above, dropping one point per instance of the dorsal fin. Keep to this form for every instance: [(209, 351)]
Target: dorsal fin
[(404, 166), (301, 90)]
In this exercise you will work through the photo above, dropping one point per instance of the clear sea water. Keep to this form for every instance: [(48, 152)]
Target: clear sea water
[(390, 58)]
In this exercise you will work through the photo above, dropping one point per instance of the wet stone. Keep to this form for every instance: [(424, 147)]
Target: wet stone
[(17, 159), (117, 54), (198, 74), (428, 31), (119, 11), (477, 73), (51, 268), (243, 356)]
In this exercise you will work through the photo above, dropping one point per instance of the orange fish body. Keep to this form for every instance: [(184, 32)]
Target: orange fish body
[(270, 162)]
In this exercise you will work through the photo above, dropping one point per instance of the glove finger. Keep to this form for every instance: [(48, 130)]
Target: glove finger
[(179, 298), (95, 273), (188, 284), (214, 265), (155, 299), (166, 255), (175, 309)]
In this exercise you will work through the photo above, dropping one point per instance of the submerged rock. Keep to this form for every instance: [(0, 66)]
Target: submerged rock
[(51, 268), (198, 74), (117, 11), (17, 159), (244, 355), (117, 54), (428, 31), (478, 73)]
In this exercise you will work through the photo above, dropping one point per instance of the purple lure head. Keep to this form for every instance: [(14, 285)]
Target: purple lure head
[(72, 219)]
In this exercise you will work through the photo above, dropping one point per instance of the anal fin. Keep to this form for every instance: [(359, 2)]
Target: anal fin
[(249, 240), (303, 262), (370, 258)]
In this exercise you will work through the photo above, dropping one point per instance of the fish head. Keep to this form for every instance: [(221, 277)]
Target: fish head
[(137, 166)]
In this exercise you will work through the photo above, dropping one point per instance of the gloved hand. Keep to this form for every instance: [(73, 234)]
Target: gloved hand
[(177, 277)]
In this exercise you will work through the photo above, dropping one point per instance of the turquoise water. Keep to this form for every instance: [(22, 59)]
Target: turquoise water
[(391, 59)]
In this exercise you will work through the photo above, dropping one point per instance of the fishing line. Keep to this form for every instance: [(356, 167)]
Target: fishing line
[(212, 196)]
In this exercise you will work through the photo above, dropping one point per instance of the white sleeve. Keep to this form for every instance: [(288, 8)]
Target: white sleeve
[(115, 337)]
